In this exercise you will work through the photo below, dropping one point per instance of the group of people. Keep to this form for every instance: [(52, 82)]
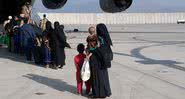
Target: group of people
[(100, 55), (45, 45), (42, 44)]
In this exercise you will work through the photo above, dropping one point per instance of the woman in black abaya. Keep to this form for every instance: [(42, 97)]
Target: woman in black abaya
[(60, 45), (48, 44), (105, 43), (99, 74)]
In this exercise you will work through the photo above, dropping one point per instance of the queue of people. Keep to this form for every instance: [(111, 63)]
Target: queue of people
[(44, 45)]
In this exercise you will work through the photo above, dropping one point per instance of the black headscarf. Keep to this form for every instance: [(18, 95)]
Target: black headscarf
[(56, 25), (49, 34), (49, 25), (102, 31), (49, 30), (59, 31)]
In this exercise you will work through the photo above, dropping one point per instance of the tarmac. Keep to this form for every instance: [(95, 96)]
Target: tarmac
[(146, 65)]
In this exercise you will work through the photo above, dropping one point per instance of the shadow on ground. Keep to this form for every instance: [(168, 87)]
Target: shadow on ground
[(56, 84), (5, 54)]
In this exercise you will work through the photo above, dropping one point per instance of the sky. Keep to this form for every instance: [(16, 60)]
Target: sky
[(157, 6), (92, 6)]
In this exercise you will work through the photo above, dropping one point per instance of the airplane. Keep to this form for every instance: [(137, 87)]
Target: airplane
[(12, 7)]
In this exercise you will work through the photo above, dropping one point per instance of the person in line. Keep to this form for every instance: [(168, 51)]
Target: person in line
[(52, 44), (22, 47), (7, 21), (11, 34), (46, 52), (26, 10), (16, 37), (1, 38), (29, 35), (8, 28), (43, 23), (105, 43), (99, 73), (78, 60), (7, 37), (46, 44), (38, 57), (60, 45)]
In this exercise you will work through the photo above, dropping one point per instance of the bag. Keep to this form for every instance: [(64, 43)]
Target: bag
[(85, 71)]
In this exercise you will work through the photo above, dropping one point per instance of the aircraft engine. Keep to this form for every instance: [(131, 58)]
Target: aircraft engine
[(54, 4), (113, 6)]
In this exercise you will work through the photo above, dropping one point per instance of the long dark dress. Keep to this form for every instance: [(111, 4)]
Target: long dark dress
[(48, 48), (49, 33), (60, 45), (46, 51), (99, 77)]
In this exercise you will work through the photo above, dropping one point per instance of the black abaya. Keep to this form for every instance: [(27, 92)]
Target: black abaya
[(50, 35), (60, 45), (99, 77)]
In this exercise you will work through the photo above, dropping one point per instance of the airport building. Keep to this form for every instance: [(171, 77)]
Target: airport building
[(117, 18), (140, 12)]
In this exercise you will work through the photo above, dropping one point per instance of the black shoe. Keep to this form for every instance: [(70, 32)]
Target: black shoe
[(60, 67), (91, 96)]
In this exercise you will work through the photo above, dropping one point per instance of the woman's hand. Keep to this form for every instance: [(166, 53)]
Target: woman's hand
[(88, 56), (111, 46)]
